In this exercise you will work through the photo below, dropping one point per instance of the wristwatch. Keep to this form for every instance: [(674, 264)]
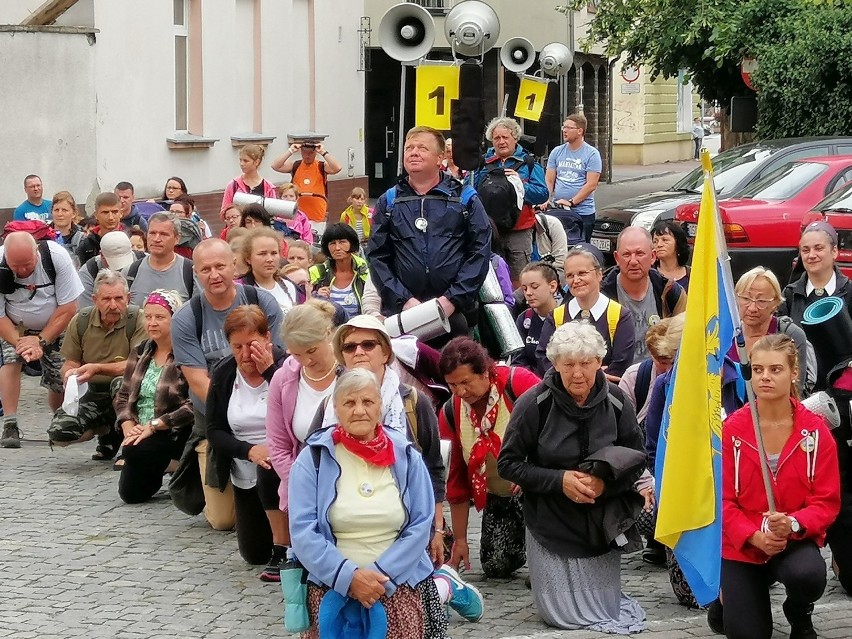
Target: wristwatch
[(42, 343), (324, 153), (155, 424), (571, 203), (795, 526)]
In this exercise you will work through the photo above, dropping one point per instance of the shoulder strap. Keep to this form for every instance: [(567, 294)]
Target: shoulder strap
[(411, 413), (467, 194), (543, 222), (132, 271), (324, 175), (47, 261), (390, 197), (93, 268), (251, 295), (541, 399), (511, 395), (451, 411), (613, 313), (84, 318), (188, 277), (195, 305), (559, 315), (132, 318), (617, 403), (643, 383)]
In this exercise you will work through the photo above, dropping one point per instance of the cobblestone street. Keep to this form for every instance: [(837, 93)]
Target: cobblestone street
[(76, 562)]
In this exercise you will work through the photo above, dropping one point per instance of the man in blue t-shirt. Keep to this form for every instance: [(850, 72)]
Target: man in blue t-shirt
[(573, 171), (35, 207)]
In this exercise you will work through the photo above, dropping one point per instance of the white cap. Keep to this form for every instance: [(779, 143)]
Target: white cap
[(117, 250)]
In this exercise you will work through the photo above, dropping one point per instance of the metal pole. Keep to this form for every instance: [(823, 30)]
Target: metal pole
[(758, 434), (400, 138)]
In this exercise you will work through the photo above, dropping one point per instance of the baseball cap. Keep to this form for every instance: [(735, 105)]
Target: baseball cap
[(117, 250)]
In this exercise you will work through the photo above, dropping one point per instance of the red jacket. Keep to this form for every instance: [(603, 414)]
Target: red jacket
[(458, 482), (806, 486)]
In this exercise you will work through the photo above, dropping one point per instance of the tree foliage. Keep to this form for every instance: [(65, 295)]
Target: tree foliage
[(803, 48)]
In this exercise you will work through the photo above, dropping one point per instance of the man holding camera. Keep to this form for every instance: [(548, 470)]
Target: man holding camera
[(311, 176)]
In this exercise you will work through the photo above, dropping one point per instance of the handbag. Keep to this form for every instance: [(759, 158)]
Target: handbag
[(294, 585)]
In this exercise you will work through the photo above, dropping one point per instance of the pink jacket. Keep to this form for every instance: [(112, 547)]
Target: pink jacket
[(302, 225), (238, 186), (282, 442)]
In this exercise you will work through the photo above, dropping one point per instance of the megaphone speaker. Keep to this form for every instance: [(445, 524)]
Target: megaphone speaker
[(472, 27), (555, 59), (517, 55), (406, 32)]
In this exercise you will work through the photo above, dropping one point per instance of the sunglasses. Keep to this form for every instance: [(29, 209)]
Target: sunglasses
[(368, 346)]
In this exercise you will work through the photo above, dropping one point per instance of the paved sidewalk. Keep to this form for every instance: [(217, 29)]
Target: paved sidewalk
[(76, 562)]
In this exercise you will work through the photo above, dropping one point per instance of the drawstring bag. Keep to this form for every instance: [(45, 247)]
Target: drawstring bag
[(294, 585)]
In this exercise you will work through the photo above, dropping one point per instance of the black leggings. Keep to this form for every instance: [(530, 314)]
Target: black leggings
[(144, 465), (254, 534), (745, 588)]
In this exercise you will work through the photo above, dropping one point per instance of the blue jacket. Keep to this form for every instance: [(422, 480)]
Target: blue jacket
[(450, 257), (535, 187), (405, 562)]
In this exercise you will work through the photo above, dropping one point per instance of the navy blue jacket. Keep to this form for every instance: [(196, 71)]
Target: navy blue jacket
[(449, 258)]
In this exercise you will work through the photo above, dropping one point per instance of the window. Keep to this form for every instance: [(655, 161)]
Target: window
[(181, 30), (784, 182), (438, 7), (799, 154), (684, 103)]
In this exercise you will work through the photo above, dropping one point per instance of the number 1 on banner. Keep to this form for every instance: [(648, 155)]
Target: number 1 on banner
[(437, 85), (531, 96)]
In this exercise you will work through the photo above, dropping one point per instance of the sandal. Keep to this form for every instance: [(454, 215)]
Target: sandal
[(104, 453), (118, 464)]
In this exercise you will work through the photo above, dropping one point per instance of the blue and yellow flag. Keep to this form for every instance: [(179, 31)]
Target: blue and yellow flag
[(689, 451)]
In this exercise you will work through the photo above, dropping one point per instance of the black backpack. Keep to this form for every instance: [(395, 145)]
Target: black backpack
[(498, 196), (8, 285)]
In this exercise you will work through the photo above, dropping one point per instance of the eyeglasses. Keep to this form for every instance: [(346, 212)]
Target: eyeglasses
[(368, 346), (748, 301), (570, 128)]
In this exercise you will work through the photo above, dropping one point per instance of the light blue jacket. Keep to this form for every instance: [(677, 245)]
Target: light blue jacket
[(313, 489)]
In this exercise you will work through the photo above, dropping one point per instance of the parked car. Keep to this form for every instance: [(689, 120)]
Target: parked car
[(836, 209), (762, 226), (734, 170)]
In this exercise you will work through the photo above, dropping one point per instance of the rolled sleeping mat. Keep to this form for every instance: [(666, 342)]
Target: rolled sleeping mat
[(824, 406), (491, 290), (505, 330), (425, 321), (828, 327), (276, 208)]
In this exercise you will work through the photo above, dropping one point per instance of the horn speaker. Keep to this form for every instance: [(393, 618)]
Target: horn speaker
[(472, 27), (517, 55), (406, 32), (555, 59)]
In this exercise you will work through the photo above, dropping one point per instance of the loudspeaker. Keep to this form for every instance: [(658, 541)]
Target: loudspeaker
[(406, 32), (555, 59), (517, 55), (472, 27)]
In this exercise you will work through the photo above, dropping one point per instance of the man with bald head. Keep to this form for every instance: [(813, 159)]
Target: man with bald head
[(198, 340), (641, 288), (39, 287)]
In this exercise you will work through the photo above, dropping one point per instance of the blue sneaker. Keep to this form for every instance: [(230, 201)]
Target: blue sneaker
[(466, 600)]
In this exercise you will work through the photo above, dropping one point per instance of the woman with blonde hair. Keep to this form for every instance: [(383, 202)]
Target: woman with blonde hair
[(249, 181), (262, 254)]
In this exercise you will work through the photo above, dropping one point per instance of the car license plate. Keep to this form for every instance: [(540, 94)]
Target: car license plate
[(603, 245), (691, 229)]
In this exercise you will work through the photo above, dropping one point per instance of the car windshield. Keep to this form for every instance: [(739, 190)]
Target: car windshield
[(729, 167), (839, 200), (784, 182)]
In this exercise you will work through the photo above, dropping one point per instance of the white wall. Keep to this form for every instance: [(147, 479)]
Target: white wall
[(47, 123)]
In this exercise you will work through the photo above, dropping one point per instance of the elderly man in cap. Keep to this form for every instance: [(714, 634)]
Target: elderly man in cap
[(39, 287), (310, 175), (96, 346), (116, 254)]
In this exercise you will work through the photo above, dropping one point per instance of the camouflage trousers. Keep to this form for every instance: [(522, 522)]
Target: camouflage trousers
[(95, 414)]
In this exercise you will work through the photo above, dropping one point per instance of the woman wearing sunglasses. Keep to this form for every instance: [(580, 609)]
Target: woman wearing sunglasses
[(758, 297)]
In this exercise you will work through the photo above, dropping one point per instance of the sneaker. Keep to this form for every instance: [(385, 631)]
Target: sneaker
[(11, 435), (272, 572), (714, 617), (801, 623), (466, 600), (654, 556)]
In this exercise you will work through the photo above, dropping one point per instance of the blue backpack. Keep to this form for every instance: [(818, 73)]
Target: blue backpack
[(467, 193)]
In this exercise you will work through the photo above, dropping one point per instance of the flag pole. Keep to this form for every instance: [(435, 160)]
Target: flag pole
[(745, 365)]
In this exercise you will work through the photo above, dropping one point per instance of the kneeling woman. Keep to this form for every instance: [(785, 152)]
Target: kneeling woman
[(759, 548), (361, 511), (236, 430), (152, 406), (574, 447)]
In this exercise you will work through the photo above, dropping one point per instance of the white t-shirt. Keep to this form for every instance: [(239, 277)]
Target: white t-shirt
[(247, 417), (286, 297), (34, 308), (307, 402)]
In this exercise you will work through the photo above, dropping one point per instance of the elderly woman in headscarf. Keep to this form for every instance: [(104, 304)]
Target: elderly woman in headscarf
[(361, 512), (574, 447)]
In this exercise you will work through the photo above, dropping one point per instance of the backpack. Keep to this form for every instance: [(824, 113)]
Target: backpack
[(195, 304), (190, 233), (544, 403), (188, 279), (613, 313), (466, 195), (84, 320), (571, 222), (499, 196), (94, 265), (643, 383), (295, 168), (281, 226), (39, 230), (8, 285)]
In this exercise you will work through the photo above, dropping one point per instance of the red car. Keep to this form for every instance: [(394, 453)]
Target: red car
[(762, 225), (836, 209)]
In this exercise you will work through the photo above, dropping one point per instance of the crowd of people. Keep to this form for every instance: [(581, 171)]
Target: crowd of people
[(257, 373)]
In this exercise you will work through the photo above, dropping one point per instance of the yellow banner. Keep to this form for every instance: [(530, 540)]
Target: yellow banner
[(436, 86), (531, 96)]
